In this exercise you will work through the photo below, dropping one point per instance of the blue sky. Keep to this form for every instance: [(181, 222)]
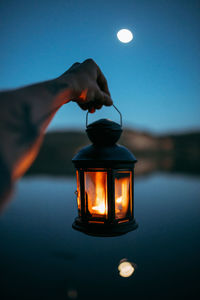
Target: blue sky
[(154, 80)]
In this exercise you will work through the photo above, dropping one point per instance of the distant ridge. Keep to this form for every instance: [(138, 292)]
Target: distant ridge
[(171, 153)]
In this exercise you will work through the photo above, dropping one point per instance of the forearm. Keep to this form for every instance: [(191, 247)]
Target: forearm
[(25, 114), (42, 100)]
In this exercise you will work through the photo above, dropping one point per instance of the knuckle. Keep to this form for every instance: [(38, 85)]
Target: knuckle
[(107, 100), (104, 80), (89, 61)]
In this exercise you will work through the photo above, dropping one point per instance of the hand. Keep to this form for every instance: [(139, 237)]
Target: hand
[(26, 112), (89, 88)]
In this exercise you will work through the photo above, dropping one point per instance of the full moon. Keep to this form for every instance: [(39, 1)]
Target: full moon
[(124, 35)]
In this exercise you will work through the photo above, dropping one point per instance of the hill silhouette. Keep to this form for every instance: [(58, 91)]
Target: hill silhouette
[(168, 153)]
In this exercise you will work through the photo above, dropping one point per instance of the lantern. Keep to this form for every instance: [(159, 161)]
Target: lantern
[(105, 182)]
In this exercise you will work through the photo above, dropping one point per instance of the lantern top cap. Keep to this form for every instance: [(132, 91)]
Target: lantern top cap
[(105, 123), (104, 132)]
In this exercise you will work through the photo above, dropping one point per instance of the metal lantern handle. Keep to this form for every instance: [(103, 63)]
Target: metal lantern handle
[(116, 110)]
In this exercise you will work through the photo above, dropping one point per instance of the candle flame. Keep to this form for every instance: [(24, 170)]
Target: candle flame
[(119, 200), (100, 208), (96, 189), (96, 194)]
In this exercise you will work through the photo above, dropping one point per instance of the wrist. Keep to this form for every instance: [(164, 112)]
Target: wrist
[(62, 89)]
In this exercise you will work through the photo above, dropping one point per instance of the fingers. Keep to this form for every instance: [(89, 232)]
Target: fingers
[(95, 100), (102, 82), (102, 98), (90, 86), (75, 65), (88, 107)]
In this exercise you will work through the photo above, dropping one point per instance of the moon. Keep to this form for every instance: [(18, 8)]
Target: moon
[(125, 36)]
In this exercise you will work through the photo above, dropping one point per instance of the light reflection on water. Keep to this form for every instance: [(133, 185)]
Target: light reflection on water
[(42, 256), (126, 268)]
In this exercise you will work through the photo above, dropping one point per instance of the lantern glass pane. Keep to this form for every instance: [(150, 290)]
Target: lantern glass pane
[(78, 194), (123, 193), (96, 194)]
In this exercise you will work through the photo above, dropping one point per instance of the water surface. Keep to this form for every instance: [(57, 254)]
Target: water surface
[(42, 257)]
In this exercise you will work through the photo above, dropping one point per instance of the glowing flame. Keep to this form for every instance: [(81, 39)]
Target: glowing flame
[(100, 206), (96, 193), (119, 200), (122, 192)]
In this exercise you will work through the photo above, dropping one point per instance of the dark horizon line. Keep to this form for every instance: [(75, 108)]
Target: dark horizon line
[(132, 128)]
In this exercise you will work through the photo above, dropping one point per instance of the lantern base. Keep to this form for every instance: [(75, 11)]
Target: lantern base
[(104, 230)]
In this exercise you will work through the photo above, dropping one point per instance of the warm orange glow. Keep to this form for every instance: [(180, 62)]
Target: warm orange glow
[(101, 208), (122, 194), (25, 161), (83, 94), (96, 193)]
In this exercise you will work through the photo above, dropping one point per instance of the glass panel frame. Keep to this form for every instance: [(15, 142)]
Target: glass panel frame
[(123, 204), (110, 216), (78, 192), (96, 209)]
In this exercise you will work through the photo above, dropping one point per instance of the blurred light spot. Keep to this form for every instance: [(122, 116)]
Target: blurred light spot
[(126, 268)]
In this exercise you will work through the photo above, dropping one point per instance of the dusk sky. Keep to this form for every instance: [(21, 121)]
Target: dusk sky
[(154, 80)]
